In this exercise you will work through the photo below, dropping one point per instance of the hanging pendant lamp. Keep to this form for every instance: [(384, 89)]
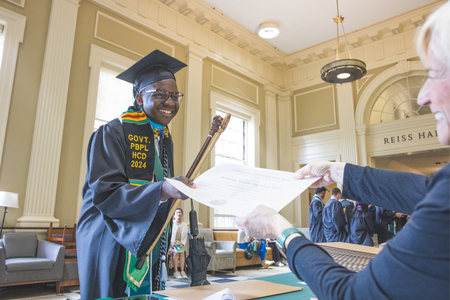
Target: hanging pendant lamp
[(342, 70)]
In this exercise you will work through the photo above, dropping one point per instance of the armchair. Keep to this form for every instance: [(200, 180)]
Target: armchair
[(223, 253), (24, 259)]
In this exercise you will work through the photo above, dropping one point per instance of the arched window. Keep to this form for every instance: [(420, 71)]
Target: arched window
[(399, 100)]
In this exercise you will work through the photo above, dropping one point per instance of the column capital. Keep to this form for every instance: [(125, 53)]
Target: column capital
[(343, 85), (74, 2), (361, 129), (268, 89), (285, 96), (196, 53)]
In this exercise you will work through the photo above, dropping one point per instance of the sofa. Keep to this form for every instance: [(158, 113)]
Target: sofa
[(24, 259), (240, 253)]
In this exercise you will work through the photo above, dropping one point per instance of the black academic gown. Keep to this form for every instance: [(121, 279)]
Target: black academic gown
[(315, 221), (383, 217), (115, 215), (347, 206), (334, 224), (362, 228)]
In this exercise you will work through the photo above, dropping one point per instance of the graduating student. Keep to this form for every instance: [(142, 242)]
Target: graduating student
[(348, 207), (362, 226), (315, 216), (334, 224), (384, 223), (125, 198), (415, 264)]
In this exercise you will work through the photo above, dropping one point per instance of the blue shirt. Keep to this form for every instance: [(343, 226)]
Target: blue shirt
[(415, 264)]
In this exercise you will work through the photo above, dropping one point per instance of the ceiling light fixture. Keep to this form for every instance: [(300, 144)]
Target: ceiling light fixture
[(342, 70), (268, 30)]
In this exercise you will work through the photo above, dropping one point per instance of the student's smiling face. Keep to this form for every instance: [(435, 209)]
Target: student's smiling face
[(160, 112)]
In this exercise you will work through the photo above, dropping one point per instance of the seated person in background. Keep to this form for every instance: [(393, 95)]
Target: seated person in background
[(177, 243), (362, 227), (277, 258), (334, 224), (244, 241)]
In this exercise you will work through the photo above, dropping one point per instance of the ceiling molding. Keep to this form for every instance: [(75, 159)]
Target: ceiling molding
[(194, 21), (215, 21)]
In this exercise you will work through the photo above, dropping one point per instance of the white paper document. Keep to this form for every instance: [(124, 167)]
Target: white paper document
[(225, 294), (237, 189)]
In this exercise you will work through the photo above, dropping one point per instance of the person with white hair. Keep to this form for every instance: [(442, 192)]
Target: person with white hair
[(415, 264)]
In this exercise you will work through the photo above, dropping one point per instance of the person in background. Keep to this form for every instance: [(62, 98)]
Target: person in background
[(276, 256), (178, 243), (400, 220), (315, 216), (383, 223), (415, 264), (362, 226), (334, 225), (348, 207), (244, 241)]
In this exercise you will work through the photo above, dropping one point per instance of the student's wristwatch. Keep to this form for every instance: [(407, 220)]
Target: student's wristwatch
[(281, 240)]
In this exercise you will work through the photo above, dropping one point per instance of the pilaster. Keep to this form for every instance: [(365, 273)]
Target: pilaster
[(348, 148), (284, 110), (271, 96), (193, 108), (42, 180), (362, 148)]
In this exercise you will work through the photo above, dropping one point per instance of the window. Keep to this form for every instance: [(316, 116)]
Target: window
[(2, 42), (237, 144), (230, 148), (114, 96), (12, 28), (103, 95), (399, 101), (231, 145)]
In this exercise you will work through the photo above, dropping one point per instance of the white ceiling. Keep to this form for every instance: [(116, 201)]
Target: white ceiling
[(427, 162), (304, 23)]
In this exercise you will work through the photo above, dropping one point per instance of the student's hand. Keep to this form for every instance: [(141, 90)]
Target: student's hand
[(169, 191), (330, 172), (263, 222), (399, 215)]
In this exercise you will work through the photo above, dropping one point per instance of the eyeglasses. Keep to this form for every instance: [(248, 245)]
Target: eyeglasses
[(163, 95)]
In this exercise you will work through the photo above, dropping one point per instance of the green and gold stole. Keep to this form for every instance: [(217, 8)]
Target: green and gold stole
[(143, 164)]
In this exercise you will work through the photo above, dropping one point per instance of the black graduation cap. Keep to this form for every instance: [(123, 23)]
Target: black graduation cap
[(154, 67)]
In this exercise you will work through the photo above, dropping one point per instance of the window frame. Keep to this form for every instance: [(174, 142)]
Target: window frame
[(253, 117), (98, 57), (12, 36)]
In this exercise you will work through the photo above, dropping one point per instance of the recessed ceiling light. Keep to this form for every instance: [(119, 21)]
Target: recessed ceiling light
[(268, 30)]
